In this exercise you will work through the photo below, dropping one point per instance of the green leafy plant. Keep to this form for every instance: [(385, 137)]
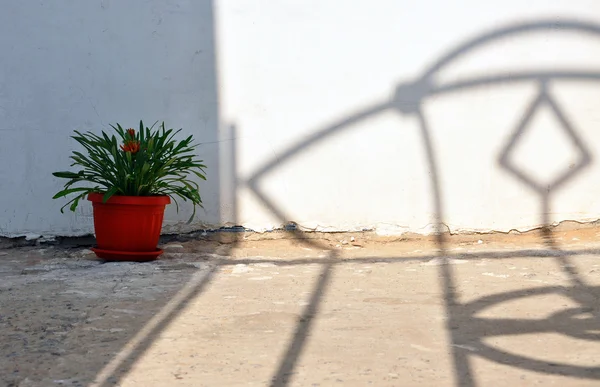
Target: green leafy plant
[(148, 162)]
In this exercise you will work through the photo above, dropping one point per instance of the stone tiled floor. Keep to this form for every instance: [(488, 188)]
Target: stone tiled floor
[(497, 312)]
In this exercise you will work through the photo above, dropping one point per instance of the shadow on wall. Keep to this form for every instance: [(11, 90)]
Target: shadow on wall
[(464, 329)]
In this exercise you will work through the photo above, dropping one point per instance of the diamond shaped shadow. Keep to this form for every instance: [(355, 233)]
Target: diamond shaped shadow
[(544, 99)]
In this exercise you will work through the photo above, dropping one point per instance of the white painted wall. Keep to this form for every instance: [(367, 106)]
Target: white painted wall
[(288, 70)]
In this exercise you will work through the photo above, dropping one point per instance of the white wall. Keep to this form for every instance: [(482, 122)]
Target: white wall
[(288, 71)]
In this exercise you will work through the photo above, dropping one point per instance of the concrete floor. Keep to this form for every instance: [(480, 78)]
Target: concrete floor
[(501, 310)]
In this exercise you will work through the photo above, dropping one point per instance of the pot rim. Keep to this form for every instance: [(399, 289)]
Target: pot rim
[(96, 197)]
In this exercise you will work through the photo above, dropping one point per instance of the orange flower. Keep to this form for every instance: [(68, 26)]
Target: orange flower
[(131, 132), (131, 146)]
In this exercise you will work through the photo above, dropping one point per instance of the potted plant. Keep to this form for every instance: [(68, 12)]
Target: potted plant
[(131, 178)]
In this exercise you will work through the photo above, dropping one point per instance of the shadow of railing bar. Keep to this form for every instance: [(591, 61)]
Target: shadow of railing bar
[(408, 101), (513, 254), (298, 342), (119, 366)]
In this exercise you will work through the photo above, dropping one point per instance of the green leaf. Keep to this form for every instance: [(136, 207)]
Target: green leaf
[(66, 192), (109, 194), (75, 204), (66, 175)]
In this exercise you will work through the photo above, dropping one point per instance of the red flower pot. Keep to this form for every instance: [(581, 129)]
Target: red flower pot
[(128, 227)]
